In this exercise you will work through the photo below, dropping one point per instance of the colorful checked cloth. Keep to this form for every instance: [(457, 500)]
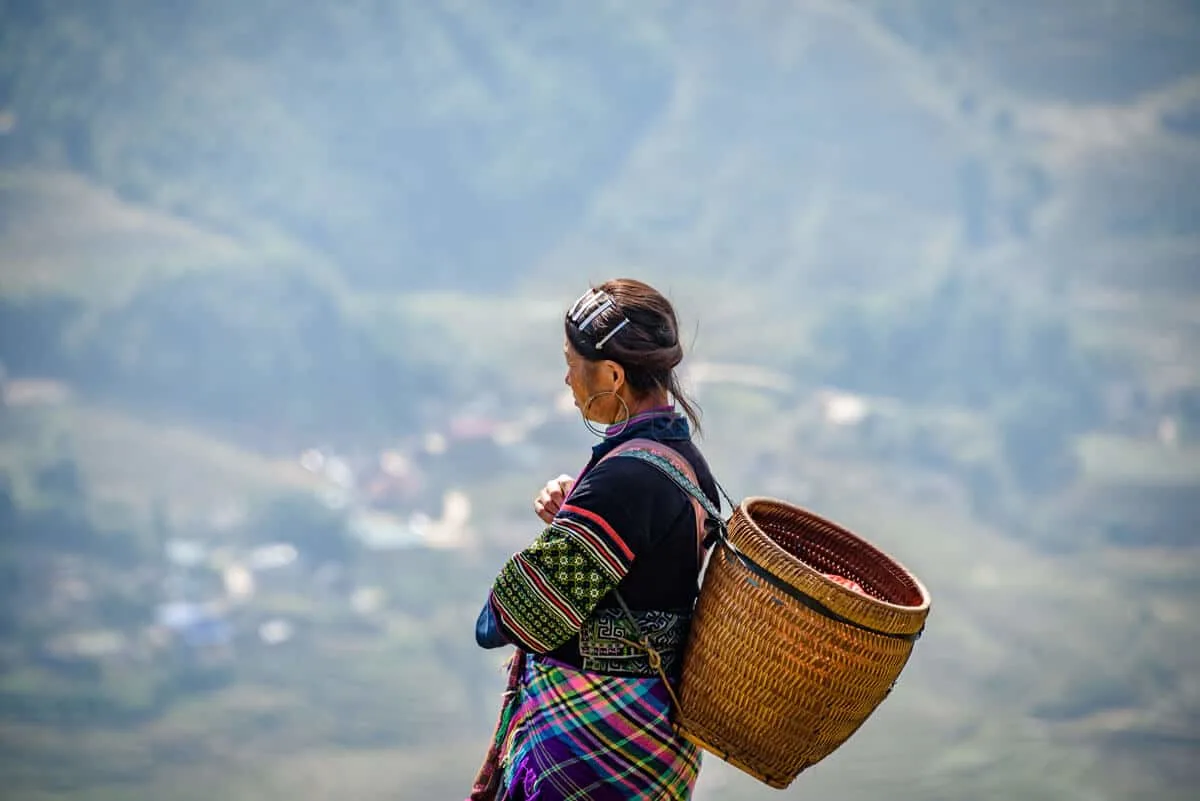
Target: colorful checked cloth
[(578, 736)]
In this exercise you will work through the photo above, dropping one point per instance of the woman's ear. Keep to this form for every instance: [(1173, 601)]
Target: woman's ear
[(617, 374)]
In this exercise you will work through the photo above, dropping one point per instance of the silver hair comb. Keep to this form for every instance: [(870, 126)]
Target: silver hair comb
[(587, 310)]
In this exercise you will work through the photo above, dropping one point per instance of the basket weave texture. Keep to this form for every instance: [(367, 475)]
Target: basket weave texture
[(770, 684)]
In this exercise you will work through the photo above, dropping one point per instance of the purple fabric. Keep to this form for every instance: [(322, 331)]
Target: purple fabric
[(666, 412), (579, 736)]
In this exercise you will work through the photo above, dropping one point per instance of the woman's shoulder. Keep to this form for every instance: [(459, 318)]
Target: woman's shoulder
[(628, 477), (622, 471), (624, 482)]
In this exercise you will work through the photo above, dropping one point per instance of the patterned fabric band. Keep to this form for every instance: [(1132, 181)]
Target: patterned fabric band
[(544, 593), (608, 642)]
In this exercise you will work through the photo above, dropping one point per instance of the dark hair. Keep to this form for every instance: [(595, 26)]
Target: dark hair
[(648, 347)]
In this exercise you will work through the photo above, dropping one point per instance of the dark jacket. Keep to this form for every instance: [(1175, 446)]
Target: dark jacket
[(625, 525)]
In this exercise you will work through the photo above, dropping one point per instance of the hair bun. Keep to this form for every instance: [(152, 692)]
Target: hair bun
[(672, 355)]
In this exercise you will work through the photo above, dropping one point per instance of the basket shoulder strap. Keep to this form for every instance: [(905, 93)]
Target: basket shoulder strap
[(678, 469), (671, 462)]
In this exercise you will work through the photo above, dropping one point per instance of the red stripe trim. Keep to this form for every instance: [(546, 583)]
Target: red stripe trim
[(596, 546), (600, 521)]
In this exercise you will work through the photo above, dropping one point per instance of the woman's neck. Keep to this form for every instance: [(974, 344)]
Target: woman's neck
[(648, 403)]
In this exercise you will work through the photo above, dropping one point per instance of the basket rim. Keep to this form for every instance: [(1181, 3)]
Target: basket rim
[(768, 542)]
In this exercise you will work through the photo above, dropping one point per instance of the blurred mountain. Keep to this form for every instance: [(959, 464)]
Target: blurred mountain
[(450, 144), (802, 157)]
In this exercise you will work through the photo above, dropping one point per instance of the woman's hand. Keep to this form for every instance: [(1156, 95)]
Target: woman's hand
[(548, 501)]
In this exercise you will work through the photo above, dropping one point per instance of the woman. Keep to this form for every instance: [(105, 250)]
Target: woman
[(590, 713)]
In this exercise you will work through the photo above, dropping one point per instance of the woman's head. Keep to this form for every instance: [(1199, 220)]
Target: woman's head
[(622, 340)]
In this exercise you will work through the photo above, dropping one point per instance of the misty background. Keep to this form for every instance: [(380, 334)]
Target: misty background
[(281, 291)]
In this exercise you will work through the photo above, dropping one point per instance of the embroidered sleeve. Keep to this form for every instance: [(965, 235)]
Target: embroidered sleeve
[(544, 593)]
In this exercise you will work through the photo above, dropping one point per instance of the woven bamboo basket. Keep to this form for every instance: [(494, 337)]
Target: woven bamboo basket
[(782, 664)]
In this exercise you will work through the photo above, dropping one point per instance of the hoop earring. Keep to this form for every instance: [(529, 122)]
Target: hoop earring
[(602, 433)]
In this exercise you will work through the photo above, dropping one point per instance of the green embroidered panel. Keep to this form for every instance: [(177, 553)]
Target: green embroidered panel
[(573, 568), (546, 591)]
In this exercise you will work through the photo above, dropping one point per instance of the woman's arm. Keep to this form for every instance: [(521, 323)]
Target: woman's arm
[(544, 593)]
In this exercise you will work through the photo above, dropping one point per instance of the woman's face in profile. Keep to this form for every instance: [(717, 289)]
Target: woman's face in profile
[(577, 377), (587, 379)]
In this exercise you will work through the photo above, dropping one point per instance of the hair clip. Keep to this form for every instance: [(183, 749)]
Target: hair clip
[(588, 308), (624, 322)]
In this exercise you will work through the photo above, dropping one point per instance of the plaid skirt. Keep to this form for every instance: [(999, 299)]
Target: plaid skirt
[(579, 736)]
